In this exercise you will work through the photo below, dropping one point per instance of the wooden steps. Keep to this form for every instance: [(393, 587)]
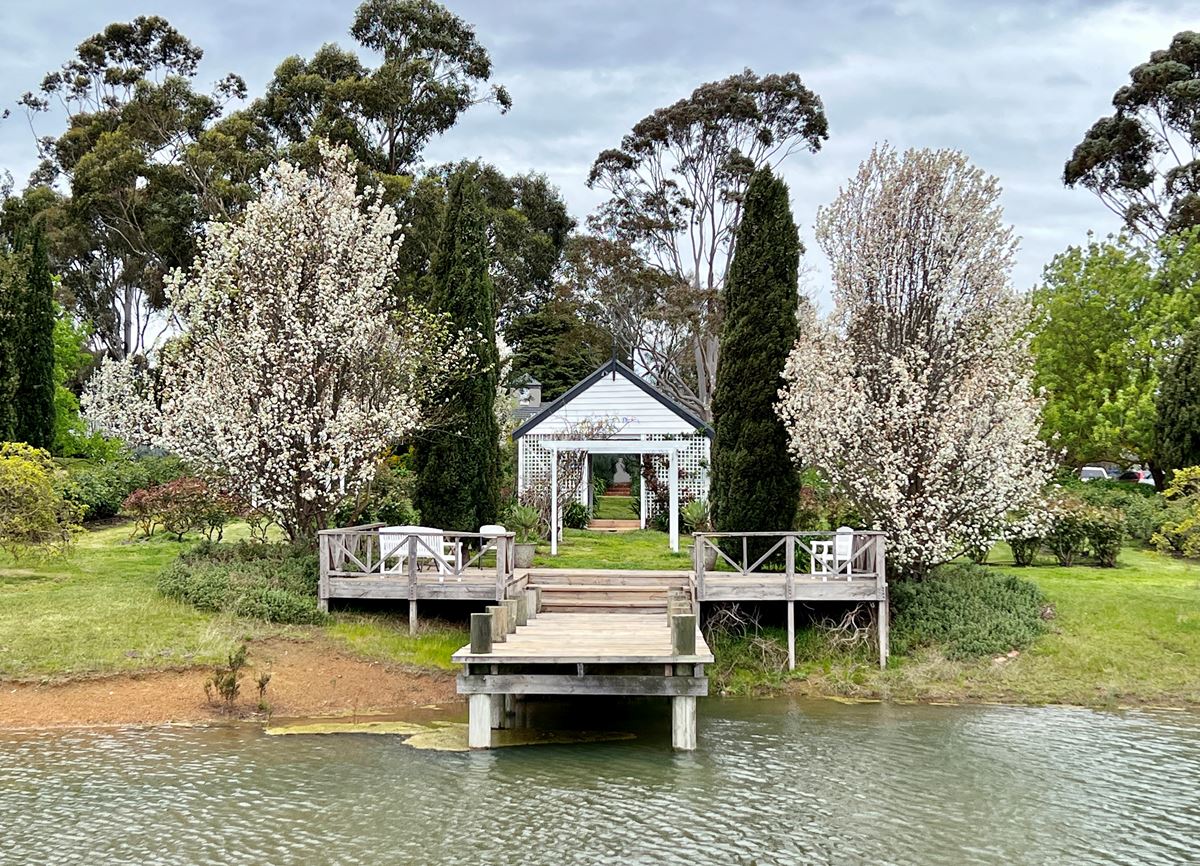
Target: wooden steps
[(614, 525), (581, 591), (622, 489)]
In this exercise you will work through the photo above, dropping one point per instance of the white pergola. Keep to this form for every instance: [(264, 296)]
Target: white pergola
[(615, 446)]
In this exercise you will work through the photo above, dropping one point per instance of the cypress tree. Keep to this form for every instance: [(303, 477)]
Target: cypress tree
[(34, 398), (754, 485), (11, 278), (1178, 422), (458, 462)]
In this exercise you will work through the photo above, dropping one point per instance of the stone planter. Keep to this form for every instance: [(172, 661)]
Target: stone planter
[(523, 555), (710, 558)]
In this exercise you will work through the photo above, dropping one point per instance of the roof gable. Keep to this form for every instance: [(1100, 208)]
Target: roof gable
[(613, 367)]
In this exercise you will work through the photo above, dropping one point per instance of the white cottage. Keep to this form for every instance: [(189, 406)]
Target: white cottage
[(614, 411)]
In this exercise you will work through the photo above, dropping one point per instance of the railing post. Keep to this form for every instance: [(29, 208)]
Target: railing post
[(412, 584), (323, 542), (501, 567), (698, 552), (745, 555)]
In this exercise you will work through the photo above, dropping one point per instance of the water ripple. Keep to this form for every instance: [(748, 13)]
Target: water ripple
[(774, 782)]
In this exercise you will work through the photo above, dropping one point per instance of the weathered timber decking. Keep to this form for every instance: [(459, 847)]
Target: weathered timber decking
[(581, 638)]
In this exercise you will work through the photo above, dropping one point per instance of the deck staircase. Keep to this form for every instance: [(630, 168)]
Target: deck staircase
[(608, 591)]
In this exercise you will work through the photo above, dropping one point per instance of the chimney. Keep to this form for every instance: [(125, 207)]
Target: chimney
[(529, 393)]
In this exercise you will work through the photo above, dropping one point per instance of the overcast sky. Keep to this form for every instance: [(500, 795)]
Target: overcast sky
[(1014, 84)]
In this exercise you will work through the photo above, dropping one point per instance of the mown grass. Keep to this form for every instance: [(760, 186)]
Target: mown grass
[(615, 508), (643, 549), (386, 638), (1123, 635), (96, 610)]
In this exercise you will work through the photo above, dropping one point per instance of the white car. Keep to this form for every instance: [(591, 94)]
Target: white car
[(1093, 473)]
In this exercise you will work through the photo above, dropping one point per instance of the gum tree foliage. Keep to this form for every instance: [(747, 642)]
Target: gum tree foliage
[(1177, 426), (433, 69), (458, 460), (676, 187), (294, 371), (915, 398), (1143, 160), (146, 159), (754, 486), (1106, 320)]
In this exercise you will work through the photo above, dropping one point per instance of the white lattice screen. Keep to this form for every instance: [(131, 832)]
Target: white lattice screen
[(693, 464)]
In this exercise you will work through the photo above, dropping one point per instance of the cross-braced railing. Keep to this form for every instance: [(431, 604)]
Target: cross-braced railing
[(842, 555), (376, 550)]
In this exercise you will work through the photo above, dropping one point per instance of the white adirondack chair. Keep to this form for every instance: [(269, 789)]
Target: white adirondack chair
[(833, 556), (432, 548)]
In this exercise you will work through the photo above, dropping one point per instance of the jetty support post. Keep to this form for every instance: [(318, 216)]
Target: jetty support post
[(883, 614), (479, 721), (683, 707), (499, 620)]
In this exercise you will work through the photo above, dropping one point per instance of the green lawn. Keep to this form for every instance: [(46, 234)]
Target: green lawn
[(644, 549), (615, 508), (1121, 635), (97, 611)]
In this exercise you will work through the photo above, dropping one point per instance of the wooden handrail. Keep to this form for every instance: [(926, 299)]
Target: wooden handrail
[(870, 554)]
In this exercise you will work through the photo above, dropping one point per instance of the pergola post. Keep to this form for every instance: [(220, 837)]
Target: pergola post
[(674, 500), (554, 502)]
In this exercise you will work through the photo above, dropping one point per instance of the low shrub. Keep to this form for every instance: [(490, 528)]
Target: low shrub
[(34, 515), (1181, 534), (179, 507), (1068, 535), (1105, 532), (1144, 510), (967, 611), (576, 515), (273, 582)]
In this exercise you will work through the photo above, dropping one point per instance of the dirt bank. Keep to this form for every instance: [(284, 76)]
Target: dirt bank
[(309, 678)]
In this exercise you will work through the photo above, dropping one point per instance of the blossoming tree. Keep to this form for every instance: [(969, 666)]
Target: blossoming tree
[(295, 368), (914, 398)]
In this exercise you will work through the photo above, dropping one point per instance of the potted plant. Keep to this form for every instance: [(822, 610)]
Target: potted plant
[(524, 520), (696, 518)]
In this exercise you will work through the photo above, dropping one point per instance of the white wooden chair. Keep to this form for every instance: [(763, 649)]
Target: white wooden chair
[(432, 549), (834, 556)]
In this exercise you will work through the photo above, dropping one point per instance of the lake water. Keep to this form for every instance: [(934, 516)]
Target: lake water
[(773, 782)]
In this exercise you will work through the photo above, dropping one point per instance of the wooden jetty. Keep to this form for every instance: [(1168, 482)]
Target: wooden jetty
[(555, 631), (519, 649)]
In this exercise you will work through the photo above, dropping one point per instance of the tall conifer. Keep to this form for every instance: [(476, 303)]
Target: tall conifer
[(458, 462), (754, 484), (34, 399)]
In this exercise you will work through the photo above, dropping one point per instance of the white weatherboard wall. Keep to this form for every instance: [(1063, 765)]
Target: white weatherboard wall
[(619, 399), (638, 416)]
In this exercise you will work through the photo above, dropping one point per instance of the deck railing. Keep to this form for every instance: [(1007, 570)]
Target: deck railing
[(816, 551), (362, 552)]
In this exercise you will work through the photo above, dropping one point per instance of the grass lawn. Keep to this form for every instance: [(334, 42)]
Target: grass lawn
[(644, 549), (1129, 634), (97, 611), (615, 508)]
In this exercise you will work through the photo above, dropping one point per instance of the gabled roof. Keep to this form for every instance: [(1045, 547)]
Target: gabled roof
[(613, 366)]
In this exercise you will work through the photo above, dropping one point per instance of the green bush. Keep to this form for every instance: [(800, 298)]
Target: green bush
[(576, 515), (387, 499), (1068, 536), (1145, 510), (1181, 534), (100, 488), (1105, 532), (274, 582), (34, 515), (967, 611)]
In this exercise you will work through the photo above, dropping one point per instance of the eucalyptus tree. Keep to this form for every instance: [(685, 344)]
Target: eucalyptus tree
[(433, 69), (145, 161), (676, 187), (1143, 160)]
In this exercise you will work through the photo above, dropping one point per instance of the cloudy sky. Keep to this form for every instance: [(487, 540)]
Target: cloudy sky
[(1014, 84)]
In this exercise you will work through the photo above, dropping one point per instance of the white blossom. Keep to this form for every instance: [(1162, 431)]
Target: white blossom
[(915, 397), (295, 368)]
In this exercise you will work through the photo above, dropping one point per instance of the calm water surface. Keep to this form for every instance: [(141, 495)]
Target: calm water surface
[(773, 782)]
